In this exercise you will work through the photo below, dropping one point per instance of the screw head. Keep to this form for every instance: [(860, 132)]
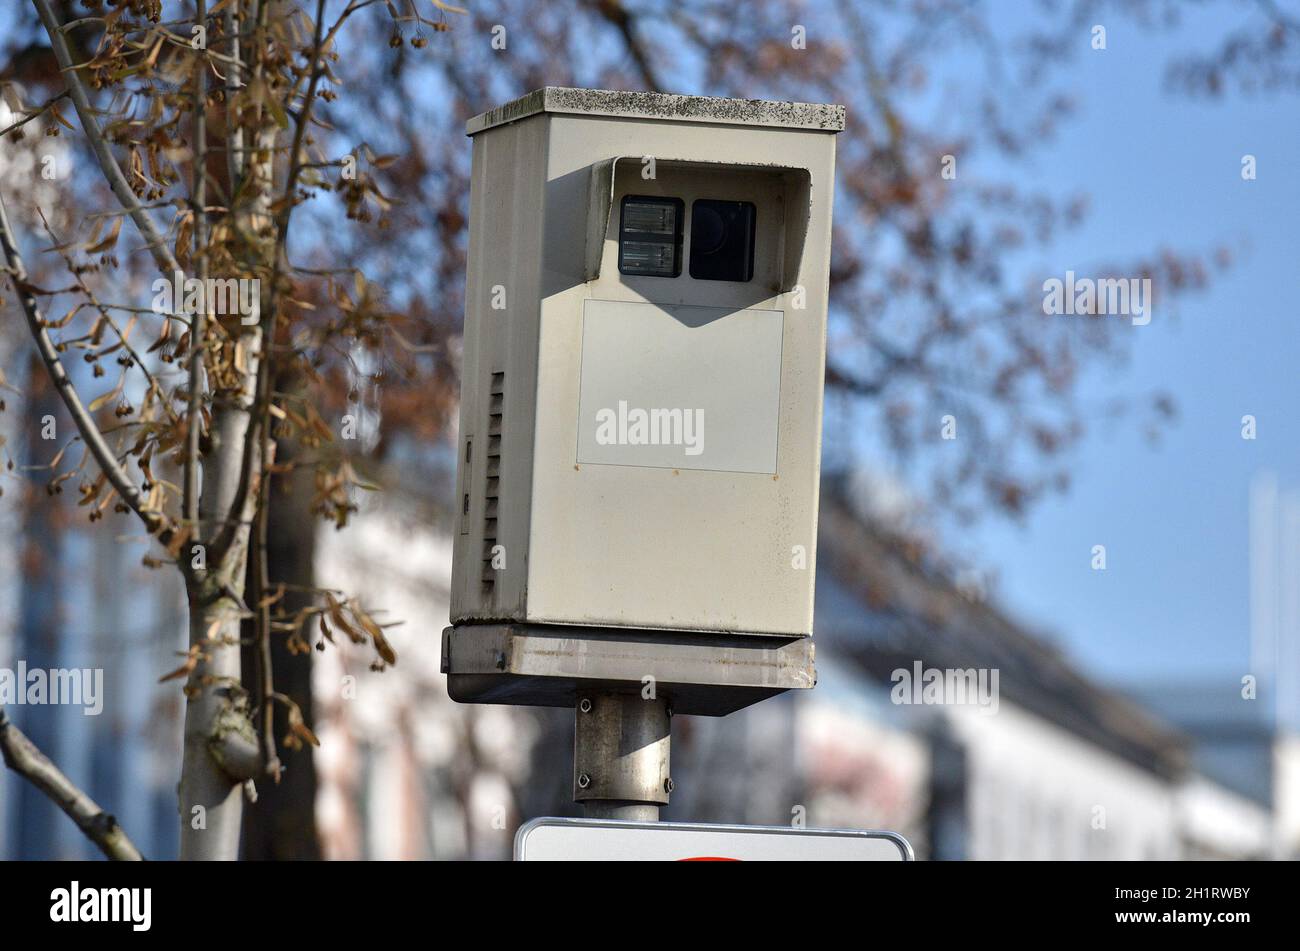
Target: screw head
[(583, 780), (669, 785), (584, 705)]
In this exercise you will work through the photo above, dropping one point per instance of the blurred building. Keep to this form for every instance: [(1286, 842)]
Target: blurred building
[(76, 596), (87, 603), (1059, 768), (404, 772), (1245, 768)]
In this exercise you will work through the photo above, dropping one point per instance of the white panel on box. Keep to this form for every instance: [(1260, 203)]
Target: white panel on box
[(680, 387)]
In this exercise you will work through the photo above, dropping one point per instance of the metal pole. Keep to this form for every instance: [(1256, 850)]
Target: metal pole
[(620, 756)]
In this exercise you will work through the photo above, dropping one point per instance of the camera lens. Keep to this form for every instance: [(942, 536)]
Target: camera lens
[(722, 240), (708, 230)]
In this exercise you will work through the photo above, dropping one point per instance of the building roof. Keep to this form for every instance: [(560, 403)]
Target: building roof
[(1233, 737), (899, 609), (662, 106)]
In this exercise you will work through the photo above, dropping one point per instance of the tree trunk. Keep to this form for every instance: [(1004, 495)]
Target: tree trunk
[(217, 728), (281, 825), (217, 725)]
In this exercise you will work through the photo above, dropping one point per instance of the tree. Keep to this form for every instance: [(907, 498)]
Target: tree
[(209, 120)]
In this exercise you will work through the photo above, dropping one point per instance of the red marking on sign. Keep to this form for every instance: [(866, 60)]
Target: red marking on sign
[(708, 858)]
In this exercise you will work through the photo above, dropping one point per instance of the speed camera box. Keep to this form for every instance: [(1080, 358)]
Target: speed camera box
[(645, 340)]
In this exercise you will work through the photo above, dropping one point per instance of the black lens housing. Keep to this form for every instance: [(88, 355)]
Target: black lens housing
[(722, 240)]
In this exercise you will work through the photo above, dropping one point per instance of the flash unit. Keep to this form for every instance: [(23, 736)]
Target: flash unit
[(650, 236)]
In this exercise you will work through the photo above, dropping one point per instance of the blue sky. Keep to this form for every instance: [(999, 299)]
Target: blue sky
[(1163, 169)]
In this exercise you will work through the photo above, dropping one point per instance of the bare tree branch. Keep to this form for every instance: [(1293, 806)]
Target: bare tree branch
[(619, 17), (262, 622), (108, 317), (153, 520), (193, 417), (235, 157), (155, 242), (258, 431), (32, 114), (22, 756)]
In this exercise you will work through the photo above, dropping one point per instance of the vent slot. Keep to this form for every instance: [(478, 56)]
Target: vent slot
[(492, 475), (467, 482)]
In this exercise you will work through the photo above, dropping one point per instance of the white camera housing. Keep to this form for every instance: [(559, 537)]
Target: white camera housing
[(640, 448)]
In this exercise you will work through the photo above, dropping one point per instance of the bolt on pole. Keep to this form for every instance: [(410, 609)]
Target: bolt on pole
[(620, 756)]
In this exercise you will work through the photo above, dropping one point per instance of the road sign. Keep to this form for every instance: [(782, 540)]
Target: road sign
[(594, 840)]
